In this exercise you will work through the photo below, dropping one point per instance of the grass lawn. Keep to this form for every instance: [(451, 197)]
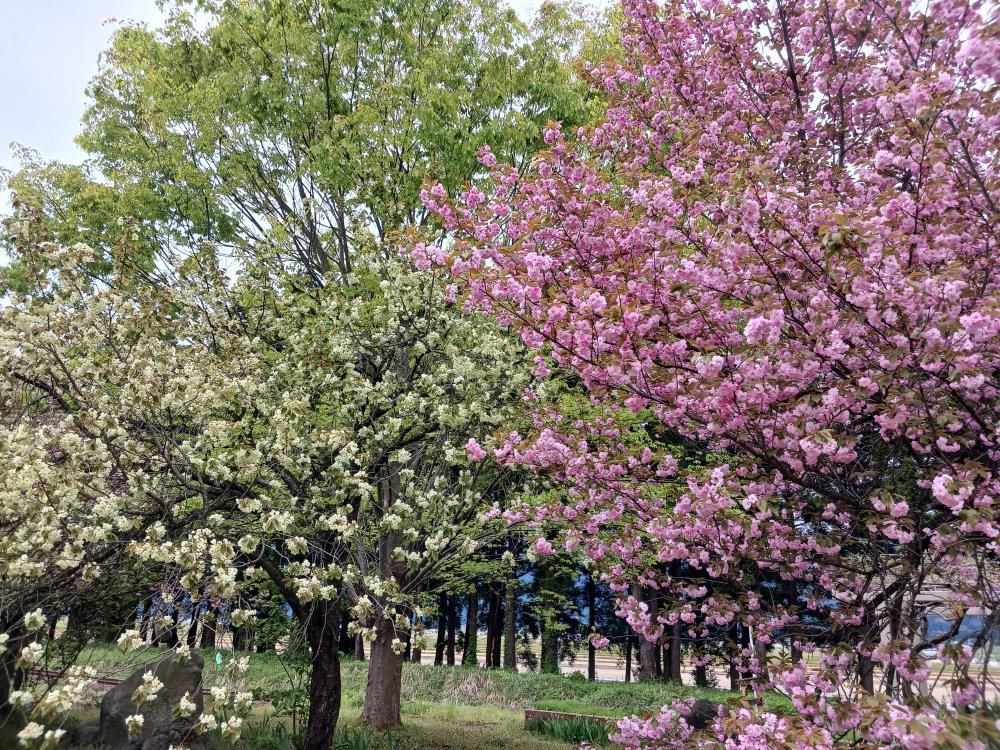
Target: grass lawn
[(449, 726), (427, 726), (444, 708), (270, 674)]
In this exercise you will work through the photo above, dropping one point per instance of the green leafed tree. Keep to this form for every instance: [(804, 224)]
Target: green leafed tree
[(301, 126)]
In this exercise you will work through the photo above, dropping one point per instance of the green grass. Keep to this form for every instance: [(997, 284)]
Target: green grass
[(520, 690), (270, 673), (433, 726), (447, 726), (444, 708)]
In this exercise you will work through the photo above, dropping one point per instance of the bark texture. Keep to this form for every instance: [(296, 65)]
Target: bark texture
[(510, 625), (385, 677), (323, 635), (471, 646)]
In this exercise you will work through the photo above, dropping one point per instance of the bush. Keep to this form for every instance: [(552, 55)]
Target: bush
[(268, 735), (571, 730)]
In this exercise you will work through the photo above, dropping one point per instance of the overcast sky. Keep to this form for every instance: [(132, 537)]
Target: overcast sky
[(48, 54)]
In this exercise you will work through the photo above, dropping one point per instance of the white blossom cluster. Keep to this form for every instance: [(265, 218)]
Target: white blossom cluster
[(321, 437)]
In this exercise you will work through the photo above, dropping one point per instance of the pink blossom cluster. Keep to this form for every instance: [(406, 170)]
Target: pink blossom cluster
[(780, 243)]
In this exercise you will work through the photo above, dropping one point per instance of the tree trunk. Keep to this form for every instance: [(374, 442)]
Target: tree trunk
[(169, 636), (359, 647), (415, 651), (490, 632), (323, 635), (209, 623), (192, 634), (510, 625), (628, 658), (698, 651), (745, 641), (494, 628), (144, 618), (792, 594), (550, 649), (734, 647), (470, 647), (796, 652), (442, 623), (385, 678), (498, 621), (675, 653), (10, 677), (591, 627), (346, 644), (647, 659), (760, 651), (672, 667), (700, 676), (866, 671), (895, 623), (452, 627), (241, 639), (648, 652)]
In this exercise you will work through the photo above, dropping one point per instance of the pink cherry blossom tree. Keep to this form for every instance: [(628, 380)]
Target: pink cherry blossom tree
[(781, 243)]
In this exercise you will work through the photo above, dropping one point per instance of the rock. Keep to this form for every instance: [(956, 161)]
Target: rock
[(165, 741), (703, 713), (178, 677), (87, 733)]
